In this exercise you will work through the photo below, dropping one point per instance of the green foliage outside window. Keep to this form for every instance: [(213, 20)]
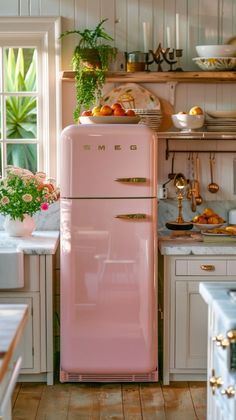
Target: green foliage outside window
[(21, 110)]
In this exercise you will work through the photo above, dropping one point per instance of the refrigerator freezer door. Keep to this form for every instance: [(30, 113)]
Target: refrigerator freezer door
[(108, 161), (108, 286)]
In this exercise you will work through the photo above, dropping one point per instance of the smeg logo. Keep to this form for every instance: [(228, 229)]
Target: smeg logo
[(103, 147)]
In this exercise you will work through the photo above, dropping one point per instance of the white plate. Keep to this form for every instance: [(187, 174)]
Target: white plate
[(222, 114), (217, 234), (109, 120), (203, 226), (130, 96)]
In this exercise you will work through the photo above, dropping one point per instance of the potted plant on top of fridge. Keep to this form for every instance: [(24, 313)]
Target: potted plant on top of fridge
[(90, 62)]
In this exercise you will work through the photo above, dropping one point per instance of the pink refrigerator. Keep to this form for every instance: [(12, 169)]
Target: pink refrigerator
[(108, 254)]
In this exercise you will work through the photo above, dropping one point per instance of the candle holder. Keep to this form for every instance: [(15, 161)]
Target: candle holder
[(167, 55), (180, 183), (178, 54), (156, 57)]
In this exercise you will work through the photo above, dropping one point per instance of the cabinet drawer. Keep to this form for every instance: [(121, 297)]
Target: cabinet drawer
[(202, 267)]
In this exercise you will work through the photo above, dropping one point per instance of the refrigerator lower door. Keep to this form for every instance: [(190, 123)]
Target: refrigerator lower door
[(108, 286)]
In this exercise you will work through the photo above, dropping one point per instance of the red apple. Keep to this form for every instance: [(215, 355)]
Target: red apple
[(116, 105), (119, 112), (106, 110), (130, 113), (87, 113)]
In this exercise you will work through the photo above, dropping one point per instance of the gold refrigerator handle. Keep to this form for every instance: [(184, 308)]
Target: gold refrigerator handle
[(134, 180), (132, 216)]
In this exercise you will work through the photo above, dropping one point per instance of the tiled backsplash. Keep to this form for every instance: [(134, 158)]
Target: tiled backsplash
[(168, 210)]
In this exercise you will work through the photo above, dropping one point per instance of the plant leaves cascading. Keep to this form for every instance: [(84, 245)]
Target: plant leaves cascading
[(90, 62)]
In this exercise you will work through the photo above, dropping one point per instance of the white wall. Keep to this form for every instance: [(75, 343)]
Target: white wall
[(201, 22)]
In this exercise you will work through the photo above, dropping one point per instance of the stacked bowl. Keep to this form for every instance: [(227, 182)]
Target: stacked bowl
[(216, 57)]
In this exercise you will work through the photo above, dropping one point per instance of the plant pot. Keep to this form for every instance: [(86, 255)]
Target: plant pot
[(89, 58), (19, 228)]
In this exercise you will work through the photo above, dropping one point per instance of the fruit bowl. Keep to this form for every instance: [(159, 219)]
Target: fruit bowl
[(109, 119), (207, 226), (226, 50), (186, 122)]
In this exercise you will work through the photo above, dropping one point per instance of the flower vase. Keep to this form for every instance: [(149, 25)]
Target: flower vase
[(19, 228)]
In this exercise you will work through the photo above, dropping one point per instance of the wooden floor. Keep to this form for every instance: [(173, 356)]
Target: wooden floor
[(144, 401)]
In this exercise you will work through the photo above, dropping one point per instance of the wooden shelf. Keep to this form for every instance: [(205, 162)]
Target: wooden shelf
[(162, 77)]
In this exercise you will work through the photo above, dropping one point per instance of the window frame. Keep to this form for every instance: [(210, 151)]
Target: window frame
[(45, 32)]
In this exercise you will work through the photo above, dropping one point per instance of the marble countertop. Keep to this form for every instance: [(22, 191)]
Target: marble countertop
[(216, 294), (40, 242), (169, 245), (12, 321)]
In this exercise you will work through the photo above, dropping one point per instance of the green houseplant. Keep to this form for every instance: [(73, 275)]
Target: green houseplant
[(90, 62)]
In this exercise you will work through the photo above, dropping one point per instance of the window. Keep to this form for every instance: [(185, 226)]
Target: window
[(29, 94)]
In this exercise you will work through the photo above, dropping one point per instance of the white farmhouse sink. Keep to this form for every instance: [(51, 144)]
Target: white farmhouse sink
[(11, 268)]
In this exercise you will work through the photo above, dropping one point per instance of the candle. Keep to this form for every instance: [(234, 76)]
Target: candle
[(146, 36), (168, 40), (177, 31)]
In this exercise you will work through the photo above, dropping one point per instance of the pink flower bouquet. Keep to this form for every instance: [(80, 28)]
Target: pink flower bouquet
[(22, 192)]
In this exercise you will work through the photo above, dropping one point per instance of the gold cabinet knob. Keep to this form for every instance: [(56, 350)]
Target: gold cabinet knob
[(229, 391), (207, 267), (221, 341), (232, 336), (224, 343), (215, 382), (218, 338)]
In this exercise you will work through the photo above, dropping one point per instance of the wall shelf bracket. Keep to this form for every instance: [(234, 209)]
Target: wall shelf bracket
[(171, 91)]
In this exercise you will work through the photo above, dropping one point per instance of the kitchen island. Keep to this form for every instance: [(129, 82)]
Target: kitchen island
[(183, 264), (221, 369), (37, 292), (13, 319)]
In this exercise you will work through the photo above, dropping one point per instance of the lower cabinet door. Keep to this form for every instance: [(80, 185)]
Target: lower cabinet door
[(29, 345), (190, 327)]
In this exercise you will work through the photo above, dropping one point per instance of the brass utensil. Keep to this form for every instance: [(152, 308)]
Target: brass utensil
[(180, 184), (198, 196), (193, 197), (191, 194), (212, 187)]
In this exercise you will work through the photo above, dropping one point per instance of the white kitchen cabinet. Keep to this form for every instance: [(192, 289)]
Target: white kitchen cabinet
[(190, 327), (183, 312), (36, 345)]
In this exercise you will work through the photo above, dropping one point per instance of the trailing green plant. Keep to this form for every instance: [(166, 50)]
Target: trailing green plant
[(21, 111), (90, 62)]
